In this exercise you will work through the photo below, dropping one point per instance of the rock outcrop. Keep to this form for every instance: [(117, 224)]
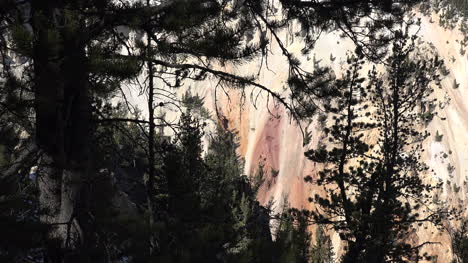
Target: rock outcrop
[(269, 137)]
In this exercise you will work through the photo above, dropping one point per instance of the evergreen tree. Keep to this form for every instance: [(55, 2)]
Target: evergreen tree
[(348, 19), (19, 223), (322, 251), (375, 193), (293, 239), (459, 240), (64, 61), (211, 213), (70, 54)]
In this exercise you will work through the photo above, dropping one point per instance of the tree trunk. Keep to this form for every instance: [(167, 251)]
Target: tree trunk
[(63, 111), (58, 191)]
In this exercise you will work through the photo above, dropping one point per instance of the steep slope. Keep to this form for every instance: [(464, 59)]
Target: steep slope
[(268, 137)]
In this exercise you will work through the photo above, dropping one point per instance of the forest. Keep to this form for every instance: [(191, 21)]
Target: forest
[(90, 174)]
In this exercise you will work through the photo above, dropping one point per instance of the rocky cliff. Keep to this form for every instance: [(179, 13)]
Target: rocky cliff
[(269, 137)]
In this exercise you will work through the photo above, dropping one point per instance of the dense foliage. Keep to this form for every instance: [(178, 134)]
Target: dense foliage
[(86, 176), (374, 184)]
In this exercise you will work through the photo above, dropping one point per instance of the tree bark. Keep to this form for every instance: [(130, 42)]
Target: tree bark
[(63, 115), (58, 191), (151, 139)]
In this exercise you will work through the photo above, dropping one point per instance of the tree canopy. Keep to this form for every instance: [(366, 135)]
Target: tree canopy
[(87, 177)]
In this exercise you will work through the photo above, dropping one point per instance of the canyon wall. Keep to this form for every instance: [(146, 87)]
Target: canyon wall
[(269, 137)]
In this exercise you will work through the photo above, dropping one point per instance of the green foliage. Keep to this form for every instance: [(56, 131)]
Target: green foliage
[(211, 212), (459, 240), (120, 68), (19, 211), (314, 18), (452, 14), (460, 6), (364, 182), (195, 104), (322, 251), (19, 220), (293, 240), (79, 55)]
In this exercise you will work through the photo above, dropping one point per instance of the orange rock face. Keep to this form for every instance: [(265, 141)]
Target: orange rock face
[(268, 137)]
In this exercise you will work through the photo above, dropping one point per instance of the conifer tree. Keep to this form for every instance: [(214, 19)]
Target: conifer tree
[(70, 54), (210, 212), (375, 192), (322, 251), (292, 237), (459, 240), (63, 61)]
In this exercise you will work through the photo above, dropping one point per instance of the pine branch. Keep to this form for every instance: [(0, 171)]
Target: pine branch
[(228, 77)]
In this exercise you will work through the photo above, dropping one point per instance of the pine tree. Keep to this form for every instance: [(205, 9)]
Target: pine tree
[(19, 210), (459, 241), (314, 18), (375, 193), (322, 251), (292, 237), (211, 212), (73, 56), (73, 59)]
